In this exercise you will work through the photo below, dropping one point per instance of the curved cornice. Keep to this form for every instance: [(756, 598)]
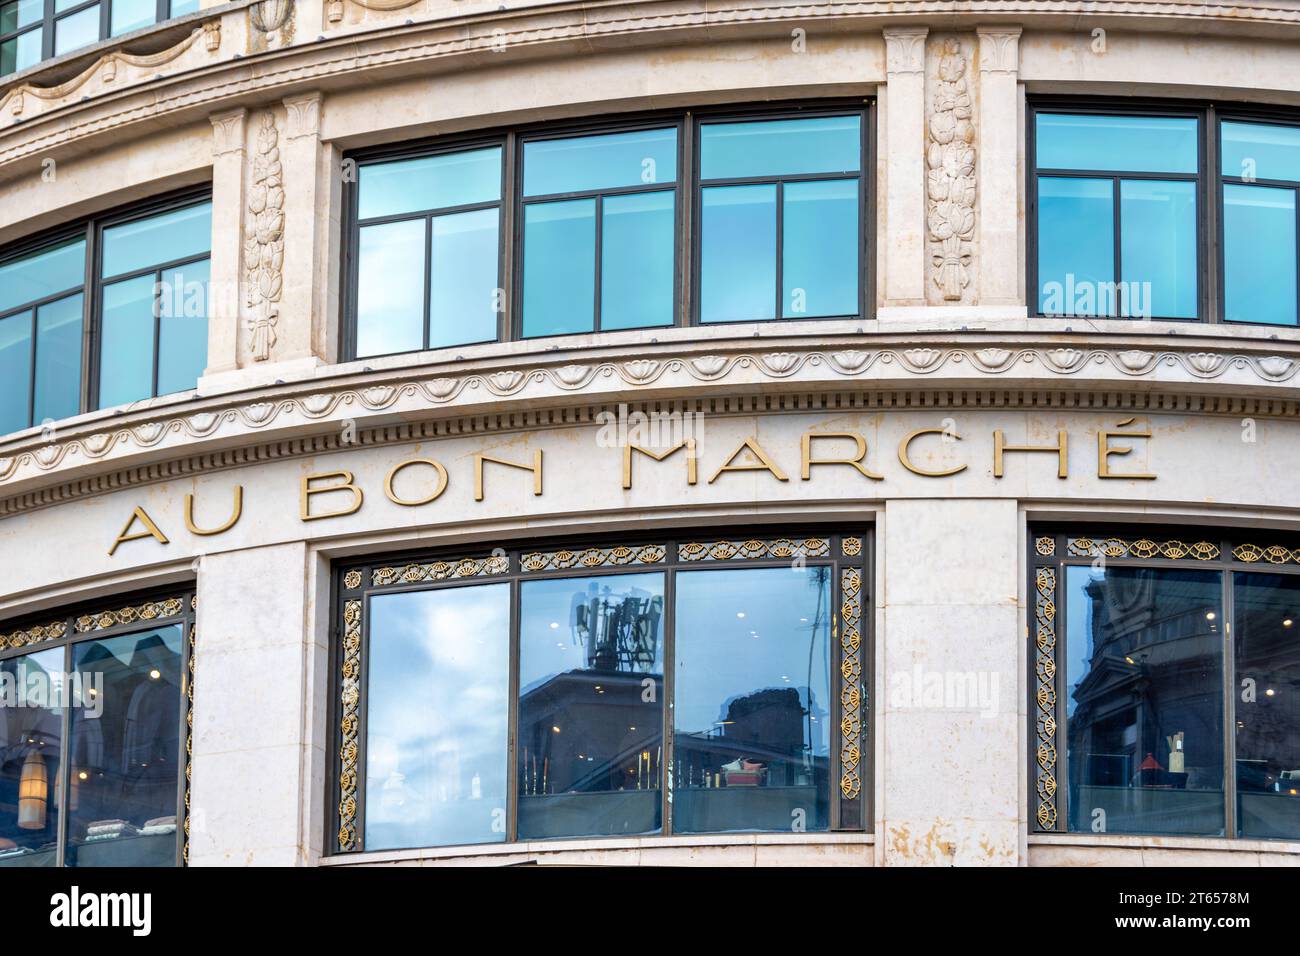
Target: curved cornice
[(730, 377)]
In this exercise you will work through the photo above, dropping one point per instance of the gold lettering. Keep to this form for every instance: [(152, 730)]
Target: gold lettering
[(304, 498), (151, 530), (855, 462), (403, 465), (1061, 448), (535, 468), (905, 456), (688, 443), (764, 462), (195, 529), (1104, 451)]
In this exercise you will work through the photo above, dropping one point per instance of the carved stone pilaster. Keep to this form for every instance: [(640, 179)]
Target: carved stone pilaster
[(905, 50), (950, 174), (264, 241)]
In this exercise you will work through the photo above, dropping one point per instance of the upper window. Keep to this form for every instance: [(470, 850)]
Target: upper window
[(36, 30), (144, 315), (619, 228), (610, 691)]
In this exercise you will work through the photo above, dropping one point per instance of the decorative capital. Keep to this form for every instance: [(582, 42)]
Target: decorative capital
[(999, 49), (228, 131), (905, 50), (303, 115)]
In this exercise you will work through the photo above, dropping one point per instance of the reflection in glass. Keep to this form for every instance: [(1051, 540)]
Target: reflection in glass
[(128, 15), (390, 280), (42, 274), (58, 359), (1260, 151), (169, 237), (752, 699), (1266, 610), (820, 248), (1076, 246), (1144, 699), (20, 13), (595, 163), (430, 182), (463, 278), (1153, 144), (738, 253), (126, 346), (1259, 254), (1158, 248), (590, 706), (792, 147), (181, 7), (21, 52), (31, 738), (636, 262), (559, 267), (183, 327), (15, 371), (437, 706), (76, 30), (125, 751)]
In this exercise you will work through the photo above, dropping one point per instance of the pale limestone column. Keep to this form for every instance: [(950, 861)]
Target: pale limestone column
[(308, 174), (901, 234), (1000, 173), (259, 706), (948, 699), (228, 176)]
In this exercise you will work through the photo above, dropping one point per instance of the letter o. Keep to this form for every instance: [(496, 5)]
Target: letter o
[(401, 465)]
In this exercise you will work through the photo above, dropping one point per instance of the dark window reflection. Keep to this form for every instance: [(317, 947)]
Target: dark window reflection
[(752, 703), (125, 751), (438, 701), (31, 742), (591, 706), (1267, 638), (1145, 700)]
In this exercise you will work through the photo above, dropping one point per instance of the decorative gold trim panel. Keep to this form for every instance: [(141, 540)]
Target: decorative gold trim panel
[(1045, 696), (37, 634), (755, 549), (441, 570), (1045, 546), (592, 558), (140, 613), (1141, 548), (851, 684), (1273, 554), (349, 725)]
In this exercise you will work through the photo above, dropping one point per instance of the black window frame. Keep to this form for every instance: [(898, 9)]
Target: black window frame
[(1052, 547), (849, 551), (687, 192), (92, 288), (104, 619), (50, 18)]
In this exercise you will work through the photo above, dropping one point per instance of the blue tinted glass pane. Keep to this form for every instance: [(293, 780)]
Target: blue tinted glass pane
[(21, 13), (1076, 246), (430, 182), (76, 30), (31, 740), (752, 704), (61, 6), (738, 253), (590, 736), (1157, 249), (126, 346), (183, 327), (182, 7), (149, 242), (127, 15), (1259, 254), (559, 267), (42, 275), (1258, 151), (126, 751), (15, 372), (589, 163), (636, 263), (830, 144), (820, 246), (390, 288), (463, 281), (437, 706), (58, 360), (1156, 144), (21, 51)]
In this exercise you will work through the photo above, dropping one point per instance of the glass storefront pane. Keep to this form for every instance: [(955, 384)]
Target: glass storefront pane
[(1259, 254), (1144, 699), (15, 372), (559, 267), (31, 746), (463, 298), (126, 357), (820, 249), (126, 751), (42, 274), (1138, 144), (183, 327), (169, 237), (590, 739), (738, 253), (1261, 151), (76, 30), (128, 15), (1158, 249), (1266, 637), (636, 262), (1076, 246), (437, 706), (390, 288), (594, 163), (430, 182), (19, 14), (58, 360), (792, 147), (752, 707), (20, 52)]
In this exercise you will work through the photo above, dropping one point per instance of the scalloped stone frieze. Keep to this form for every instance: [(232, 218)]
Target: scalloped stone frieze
[(572, 375), (505, 382), (441, 388), (1134, 360), (318, 404), (1206, 363), (781, 363), (850, 361), (641, 370), (709, 365), (1063, 360), (1276, 366), (922, 359), (993, 359)]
